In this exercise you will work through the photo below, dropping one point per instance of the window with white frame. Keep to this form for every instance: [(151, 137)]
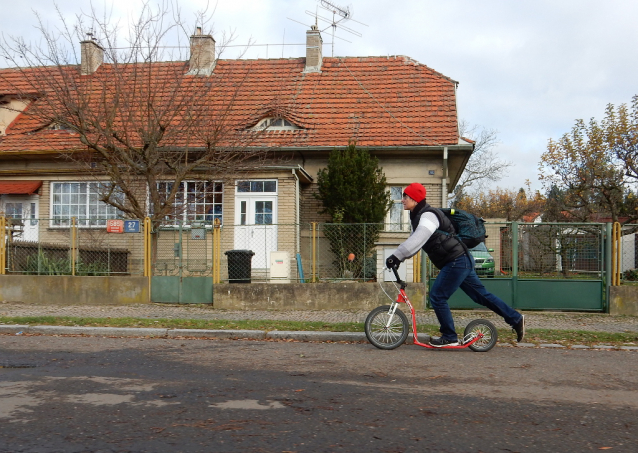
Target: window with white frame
[(258, 186), (397, 218), (82, 201), (277, 124), (195, 201)]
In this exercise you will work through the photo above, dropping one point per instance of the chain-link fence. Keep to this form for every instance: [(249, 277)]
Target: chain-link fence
[(628, 253), (548, 251), (560, 250), (347, 251), (295, 252), (81, 247)]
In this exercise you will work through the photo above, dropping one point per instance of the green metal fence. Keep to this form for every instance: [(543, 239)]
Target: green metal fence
[(532, 266), (553, 266)]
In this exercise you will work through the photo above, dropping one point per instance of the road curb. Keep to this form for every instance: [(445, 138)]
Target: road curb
[(218, 334), (14, 328), (301, 335), (97, 331), (295, 335)]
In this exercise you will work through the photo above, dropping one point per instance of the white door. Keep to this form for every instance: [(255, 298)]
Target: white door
[(24, 208), (256, 229)]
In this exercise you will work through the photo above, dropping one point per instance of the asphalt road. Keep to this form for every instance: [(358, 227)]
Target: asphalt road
[(91, 394)]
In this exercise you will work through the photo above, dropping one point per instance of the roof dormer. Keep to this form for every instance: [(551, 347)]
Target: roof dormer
[(276, 124), (55, 126)]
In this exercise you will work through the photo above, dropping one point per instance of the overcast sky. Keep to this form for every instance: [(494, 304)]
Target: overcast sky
[(526, 68)]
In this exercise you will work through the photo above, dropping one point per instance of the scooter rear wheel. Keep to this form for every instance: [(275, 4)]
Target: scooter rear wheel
[(385, 336), (490, 335)]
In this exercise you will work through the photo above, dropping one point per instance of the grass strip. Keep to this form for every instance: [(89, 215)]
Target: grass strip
[(538, 336), (213, 324)]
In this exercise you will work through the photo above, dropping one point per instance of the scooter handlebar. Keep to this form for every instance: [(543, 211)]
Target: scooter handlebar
[(396, 275)]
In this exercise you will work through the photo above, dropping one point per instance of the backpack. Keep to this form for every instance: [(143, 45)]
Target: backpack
[(469, 228)]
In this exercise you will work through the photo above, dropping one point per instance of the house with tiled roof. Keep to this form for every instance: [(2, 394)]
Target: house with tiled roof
[(402, 111)]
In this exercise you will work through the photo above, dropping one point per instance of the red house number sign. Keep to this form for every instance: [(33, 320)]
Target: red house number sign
[(115, 226)]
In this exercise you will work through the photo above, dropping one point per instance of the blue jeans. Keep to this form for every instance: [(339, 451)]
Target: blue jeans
[(460, 273)]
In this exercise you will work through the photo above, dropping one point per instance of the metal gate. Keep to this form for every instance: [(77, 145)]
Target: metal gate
[(182, 264), (544, 266)]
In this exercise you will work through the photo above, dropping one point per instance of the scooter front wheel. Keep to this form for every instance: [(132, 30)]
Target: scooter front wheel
[(489, 332), (386, 333)]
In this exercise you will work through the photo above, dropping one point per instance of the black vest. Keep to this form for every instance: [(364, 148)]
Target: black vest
[(441, 248)]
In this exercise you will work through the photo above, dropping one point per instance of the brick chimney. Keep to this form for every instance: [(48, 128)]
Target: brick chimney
[(92, 56), (314, 57), (202, 60)]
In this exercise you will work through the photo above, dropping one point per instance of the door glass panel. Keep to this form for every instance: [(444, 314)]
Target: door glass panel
[(33, 215), (242, 213), (263, 213)]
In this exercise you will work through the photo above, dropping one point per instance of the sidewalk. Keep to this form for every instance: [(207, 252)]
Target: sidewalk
[(594, 322)]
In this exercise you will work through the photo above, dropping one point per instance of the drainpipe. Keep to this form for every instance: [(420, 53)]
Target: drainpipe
[(444, 180), (297, 232)]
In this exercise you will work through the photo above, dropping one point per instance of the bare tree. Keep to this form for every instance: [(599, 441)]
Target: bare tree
[(484, 166), (149, 117)]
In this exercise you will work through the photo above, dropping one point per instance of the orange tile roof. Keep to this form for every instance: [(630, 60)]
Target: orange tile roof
[(379, 101), (19, 187)]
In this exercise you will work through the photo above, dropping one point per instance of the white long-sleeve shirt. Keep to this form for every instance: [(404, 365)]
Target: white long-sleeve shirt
[(428, 224)]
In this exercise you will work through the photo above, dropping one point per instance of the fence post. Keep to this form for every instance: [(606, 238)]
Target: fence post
[(423, 266), (147, 253), (3, 244), (147, 247), (73, 243), (608, 264), (314, 251), (616, 263), (180, 250), (217, 252), (514, 264), (365, 251)]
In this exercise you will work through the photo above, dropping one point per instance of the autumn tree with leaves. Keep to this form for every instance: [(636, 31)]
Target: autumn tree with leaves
[(509, 204), (594, 166)]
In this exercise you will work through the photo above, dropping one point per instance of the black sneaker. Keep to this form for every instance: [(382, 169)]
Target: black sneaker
[(441, 342), (519, 328)]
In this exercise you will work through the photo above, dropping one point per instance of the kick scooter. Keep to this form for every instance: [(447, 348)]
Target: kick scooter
[(387, 326)]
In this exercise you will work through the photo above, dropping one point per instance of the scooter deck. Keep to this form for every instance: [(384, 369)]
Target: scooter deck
[(459, 346)]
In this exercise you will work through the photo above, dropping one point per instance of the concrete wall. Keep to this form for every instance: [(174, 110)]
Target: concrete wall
[(67, 290), (309, 296), (623, 300)]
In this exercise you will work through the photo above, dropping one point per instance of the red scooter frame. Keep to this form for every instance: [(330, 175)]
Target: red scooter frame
[(387, 327)]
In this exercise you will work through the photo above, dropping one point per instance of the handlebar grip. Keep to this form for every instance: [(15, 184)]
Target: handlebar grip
[(396, 274)]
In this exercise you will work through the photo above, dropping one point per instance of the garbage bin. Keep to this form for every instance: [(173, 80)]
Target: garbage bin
[(239, 265)]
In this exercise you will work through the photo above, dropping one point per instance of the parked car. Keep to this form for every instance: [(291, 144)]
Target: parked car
[(483, 261)]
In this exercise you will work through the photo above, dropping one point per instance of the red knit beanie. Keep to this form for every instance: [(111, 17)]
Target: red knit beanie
[(415, 191)]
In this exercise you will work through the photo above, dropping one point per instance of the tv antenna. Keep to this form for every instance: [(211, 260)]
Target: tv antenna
[(339, 14)]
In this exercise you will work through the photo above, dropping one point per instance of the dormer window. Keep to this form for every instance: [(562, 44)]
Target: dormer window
[(276, 124), (58, 127)]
